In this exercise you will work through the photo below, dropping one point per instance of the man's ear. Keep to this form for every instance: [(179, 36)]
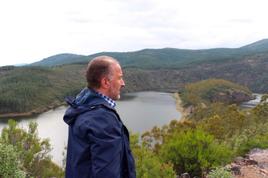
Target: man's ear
[(105, 82)]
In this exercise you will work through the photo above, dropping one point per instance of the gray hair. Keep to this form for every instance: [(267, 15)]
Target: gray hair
[(98, 68)]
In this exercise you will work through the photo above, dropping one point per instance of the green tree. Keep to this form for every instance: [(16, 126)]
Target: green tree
[(33, 152), (148, 164), (195, 152), (157, 137), (261, 110), (10, 166), (255, 129), (225, 125)]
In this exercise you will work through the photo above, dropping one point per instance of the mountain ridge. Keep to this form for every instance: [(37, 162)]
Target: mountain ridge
[(258, 44), (28, 88), (57, 59), (163, 57)]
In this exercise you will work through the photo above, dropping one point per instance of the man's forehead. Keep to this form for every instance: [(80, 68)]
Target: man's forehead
[(116, 66), (120, 72)]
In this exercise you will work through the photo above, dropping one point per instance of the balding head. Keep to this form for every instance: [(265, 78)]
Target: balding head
[(98, 68)]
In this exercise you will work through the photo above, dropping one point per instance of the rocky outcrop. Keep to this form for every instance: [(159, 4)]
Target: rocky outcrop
[(253, 165), (231, 97)]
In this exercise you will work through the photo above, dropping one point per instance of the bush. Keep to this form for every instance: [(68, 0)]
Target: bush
[(33, 152), (244, 143), (148, 164), (220, 173), (10, 166), (195, 152)]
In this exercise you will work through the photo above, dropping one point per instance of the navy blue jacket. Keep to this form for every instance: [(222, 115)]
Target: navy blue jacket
[(98, 143)]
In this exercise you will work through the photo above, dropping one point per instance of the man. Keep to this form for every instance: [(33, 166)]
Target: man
[(98, 143)]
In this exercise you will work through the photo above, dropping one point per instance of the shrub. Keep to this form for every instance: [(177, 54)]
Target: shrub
[(195, 152), (148, 164), (220, 173), (33, 152), (10, 166)]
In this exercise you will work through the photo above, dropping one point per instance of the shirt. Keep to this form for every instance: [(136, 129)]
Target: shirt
[(110, 101)]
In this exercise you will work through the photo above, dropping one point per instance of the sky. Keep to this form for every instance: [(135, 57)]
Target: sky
[(31, 30)]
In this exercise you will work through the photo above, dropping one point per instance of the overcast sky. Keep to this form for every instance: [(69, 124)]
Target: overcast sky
[(31, 30)]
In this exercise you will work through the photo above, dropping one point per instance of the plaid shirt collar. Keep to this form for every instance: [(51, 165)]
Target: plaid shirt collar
[(110, 101)]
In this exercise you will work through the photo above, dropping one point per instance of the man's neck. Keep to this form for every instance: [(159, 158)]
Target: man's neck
[(102, 91), (110, 101)]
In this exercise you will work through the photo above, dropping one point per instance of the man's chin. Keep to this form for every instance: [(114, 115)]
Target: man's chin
[(118, 97)]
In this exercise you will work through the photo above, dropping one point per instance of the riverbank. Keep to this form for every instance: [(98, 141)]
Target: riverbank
[(184, 112), (33, 112), (56, 104), (140, 113)]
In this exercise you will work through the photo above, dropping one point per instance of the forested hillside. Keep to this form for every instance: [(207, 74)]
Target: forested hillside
[(210, 91), (60, 59), (251, 71), (36, 89), (33, 89), (205, 140), (171, 58)]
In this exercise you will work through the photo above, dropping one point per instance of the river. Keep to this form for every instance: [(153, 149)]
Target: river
[(140, 112), (252, 103)]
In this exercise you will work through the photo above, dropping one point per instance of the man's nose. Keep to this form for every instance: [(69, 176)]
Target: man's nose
[(123, 83)]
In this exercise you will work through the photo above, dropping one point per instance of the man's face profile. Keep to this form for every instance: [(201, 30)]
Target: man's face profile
[(116, 81)]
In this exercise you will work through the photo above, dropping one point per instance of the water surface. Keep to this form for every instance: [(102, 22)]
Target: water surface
[(141, 111)]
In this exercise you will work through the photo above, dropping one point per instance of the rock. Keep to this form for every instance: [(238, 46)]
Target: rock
[(251, 162), (238, 159), (185, 175), (236, 170), (231, 97), (239, 97), (253, 165)]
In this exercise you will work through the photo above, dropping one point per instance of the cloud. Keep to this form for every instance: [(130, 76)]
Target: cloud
[(34, 30)]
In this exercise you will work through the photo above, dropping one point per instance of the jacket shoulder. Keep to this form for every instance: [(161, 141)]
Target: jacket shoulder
[(98, 121)]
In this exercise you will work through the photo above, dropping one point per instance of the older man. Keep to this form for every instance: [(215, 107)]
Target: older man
[(98, 143)]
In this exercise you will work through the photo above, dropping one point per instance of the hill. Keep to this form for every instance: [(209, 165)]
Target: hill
[(258, 46), (27, 90), (59, 59), (151, 58), (31, 90), (171, 58), (214, 90)]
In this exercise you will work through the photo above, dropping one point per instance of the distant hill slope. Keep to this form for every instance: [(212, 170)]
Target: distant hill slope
[(33, 89), (258, 46), (59, 59), (151, 58), (164, 58), (214, 90)]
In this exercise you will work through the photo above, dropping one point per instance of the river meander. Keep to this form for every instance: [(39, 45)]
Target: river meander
[(141, 111)]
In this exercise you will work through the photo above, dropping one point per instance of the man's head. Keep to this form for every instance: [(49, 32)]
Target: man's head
[(105, 75)]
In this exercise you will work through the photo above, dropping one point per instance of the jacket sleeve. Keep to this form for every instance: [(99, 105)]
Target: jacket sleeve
[(106, 142)]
